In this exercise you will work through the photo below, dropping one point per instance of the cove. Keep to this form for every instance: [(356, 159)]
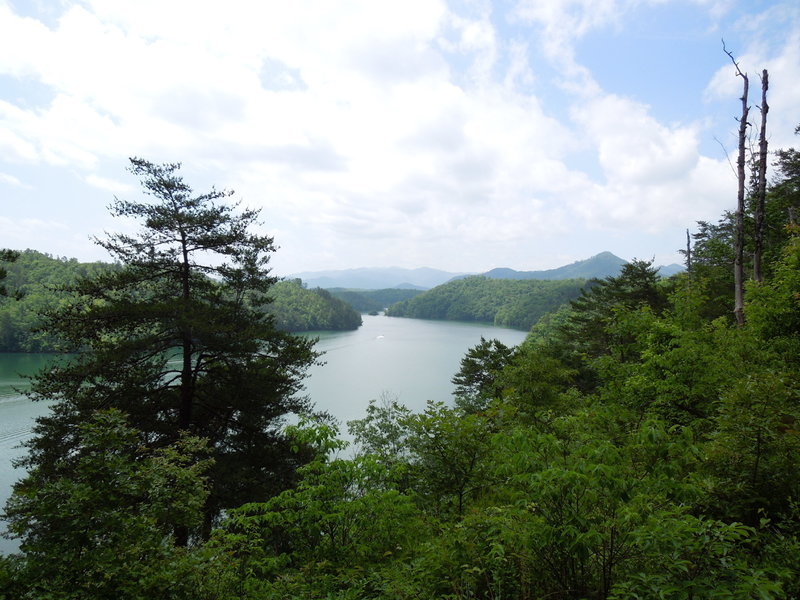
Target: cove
[(412, 360)]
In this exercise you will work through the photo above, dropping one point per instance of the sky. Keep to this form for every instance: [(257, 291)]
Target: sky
[(462, 135)]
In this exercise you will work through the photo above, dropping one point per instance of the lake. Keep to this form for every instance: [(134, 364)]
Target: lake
[(410, 359)]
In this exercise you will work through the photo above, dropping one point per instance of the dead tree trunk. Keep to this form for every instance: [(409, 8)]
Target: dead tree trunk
[(761, 185), (688, 253), (738, 258)]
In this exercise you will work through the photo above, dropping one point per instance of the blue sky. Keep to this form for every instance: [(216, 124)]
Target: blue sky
[(460, 135)]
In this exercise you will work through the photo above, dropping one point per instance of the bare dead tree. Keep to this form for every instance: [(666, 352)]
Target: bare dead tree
[(738, 259), (688, 253), (761, 181)]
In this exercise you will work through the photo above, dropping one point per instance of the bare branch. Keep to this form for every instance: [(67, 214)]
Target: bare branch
[(733, 60), (727, 155)]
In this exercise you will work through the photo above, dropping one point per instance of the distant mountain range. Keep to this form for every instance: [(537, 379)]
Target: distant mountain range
[(600, 266), (377, 278)]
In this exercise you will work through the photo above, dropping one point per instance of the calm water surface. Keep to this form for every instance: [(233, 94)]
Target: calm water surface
[(410, 359)]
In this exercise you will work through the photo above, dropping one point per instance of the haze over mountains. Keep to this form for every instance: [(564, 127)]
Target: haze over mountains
[(369, 278), (601, 265)]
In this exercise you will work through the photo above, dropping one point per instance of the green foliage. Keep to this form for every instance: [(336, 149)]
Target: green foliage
[(383, 433), (450, 454), (6, 256), (296, 308), (104, 528), (536, 384), (683, 556), (592, 327), (38, 281), (477, 380), (754, 452), (327, 533), (578, 494), (773, 308), (41, 284), (504, 302)]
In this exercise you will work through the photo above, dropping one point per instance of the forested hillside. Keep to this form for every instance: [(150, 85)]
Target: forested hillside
[(366, 301), (299, 309), (34, 279), (504, 302), (36, 283)]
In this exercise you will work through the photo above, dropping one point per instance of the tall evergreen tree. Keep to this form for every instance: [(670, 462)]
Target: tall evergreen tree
[(178, 339)]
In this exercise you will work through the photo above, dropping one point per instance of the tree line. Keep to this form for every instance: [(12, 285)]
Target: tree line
[(297, 308), (41, 283), (512, 303)]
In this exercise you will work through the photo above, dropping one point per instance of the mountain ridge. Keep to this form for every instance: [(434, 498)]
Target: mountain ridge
[(602, 265)]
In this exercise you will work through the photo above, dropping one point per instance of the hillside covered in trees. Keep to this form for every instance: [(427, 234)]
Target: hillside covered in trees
[(504, 302), (36, 280), (38, 283), (296, 308)]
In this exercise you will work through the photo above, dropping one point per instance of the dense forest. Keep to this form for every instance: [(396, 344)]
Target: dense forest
[(639, 444), (504, 302), (36, 279), (40, 283), (299, 309)]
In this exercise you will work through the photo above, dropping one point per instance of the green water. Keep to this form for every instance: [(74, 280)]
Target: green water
[(410, 359)]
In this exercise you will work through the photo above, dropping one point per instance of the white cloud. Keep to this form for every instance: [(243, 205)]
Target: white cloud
[(369, 123), (632, 146), (18, 232), (702, 194), (110, 185), (12, 180)]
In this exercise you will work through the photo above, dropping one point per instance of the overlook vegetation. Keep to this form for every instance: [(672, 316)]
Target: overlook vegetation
[(639, 444), (504, 302), (38, 282)]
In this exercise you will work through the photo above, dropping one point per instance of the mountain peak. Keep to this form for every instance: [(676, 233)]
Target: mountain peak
[(600, 266)]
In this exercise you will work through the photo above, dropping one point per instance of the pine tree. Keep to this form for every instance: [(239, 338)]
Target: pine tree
[(179, 339)]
